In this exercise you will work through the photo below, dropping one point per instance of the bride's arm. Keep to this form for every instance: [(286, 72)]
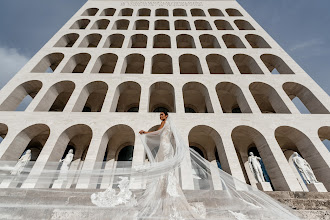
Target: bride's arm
[(148, 132)]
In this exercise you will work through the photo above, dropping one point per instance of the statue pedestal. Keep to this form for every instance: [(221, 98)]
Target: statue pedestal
[(316, 187), (264, 186), (58, 184)]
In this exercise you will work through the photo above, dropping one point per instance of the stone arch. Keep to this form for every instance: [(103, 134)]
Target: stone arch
[(256, 41), (106, 63), (101, 24), (231, 98), (185, 41), (246, 64), (127, 97), (232, 41), (209, 41), (108, 12), (233, 12), (56, 97), (218, 64), (67, 40), (267, 98), (21, 96), (161, 95), (308, 99), (114, 41), (3, 131), (162, 25), (244, 138), (182, 25), (49, 63), (33, 137), (324, 135), (275, 64), (141, 25), (215, 12), (121, 24), (243, 25), (126, 12), (144, 12), (161, 12), (197, 12), (223, 25), (77, 63), (162, 41), (189, 64), (91, 40), (162, 64), (196, 97), (90, 12), (134, 63), (80, 24), (138, 41), (91, 97), (290, 138), (179, 12), (202, 25)]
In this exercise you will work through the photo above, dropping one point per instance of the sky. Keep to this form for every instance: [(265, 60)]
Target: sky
[(301, 27)]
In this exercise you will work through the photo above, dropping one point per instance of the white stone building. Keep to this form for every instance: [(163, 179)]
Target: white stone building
[(228, 85)]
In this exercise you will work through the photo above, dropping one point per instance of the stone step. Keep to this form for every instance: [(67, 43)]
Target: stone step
[(299, 195), (307, 204)]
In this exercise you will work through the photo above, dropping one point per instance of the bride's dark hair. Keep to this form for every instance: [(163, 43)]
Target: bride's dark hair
[(165, 112)]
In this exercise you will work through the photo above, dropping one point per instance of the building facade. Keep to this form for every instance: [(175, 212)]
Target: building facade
[(107, 72)]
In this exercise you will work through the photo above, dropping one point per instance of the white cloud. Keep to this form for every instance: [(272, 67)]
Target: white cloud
[(11, 61), (307, 44)]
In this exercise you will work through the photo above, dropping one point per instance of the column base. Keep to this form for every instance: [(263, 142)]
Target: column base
[(59, 184), (316, 187), (264, 186)]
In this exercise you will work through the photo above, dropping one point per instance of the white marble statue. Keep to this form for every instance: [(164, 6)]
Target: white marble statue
[(304, 168), (255, 166), (66, 164), (21, 163)]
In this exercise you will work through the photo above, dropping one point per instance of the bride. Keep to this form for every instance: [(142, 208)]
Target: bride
[(163, 197)]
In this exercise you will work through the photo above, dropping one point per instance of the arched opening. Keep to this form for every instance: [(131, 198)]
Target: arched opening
[(162, 41), (121, 24), (232, 41), (108, 12), (267, 98), (161, 97), (67, 40), (209, 41), (106, 63), (77, 63), (162, 25), (91, 40), (161, 12), (101, 24), (233, 12), (202, 25), (243, 25), (3, 131), (218, 64), (197, 12), (292, 140), (179, 12), (126, 12), (91, 97), (114, 41), (22, 96), (223, 25), (215, 12), (141, 25), (256, 41), (182, 25), (246, 140), (134, 63), (80, 24), (138, 41), (324, 135), (232, 99), (246, 64), (196, 97), (56, 97), (185, 41), (49, 63), (144, 12), (127, 97), (162, 64), (307, 98), (189, 64), (90, 12), (275, 64)]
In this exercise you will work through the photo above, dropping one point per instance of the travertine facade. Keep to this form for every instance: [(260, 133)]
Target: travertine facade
[(98, 81)]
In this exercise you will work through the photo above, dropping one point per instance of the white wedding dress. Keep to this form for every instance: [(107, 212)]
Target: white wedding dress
[(163, 197)]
